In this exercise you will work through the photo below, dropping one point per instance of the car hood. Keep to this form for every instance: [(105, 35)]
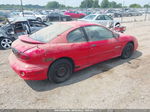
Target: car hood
[(84, 20), (24, 43), (41, 15)]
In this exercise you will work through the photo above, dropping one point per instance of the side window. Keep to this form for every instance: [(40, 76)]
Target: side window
[(76, 36), (101, 17), (96, 33), (108, 18)]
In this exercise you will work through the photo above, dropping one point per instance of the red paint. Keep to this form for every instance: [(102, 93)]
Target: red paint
[(35, 67), (75, 15)]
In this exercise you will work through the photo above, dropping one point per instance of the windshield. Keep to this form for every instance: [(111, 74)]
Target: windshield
[(49, 33), (90, 17)]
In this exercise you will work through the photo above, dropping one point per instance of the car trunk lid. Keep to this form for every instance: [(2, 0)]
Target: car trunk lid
[(24, 43)]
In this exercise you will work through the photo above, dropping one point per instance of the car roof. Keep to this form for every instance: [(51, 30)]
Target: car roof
[(19, 19), (98, 14), (78, 23)]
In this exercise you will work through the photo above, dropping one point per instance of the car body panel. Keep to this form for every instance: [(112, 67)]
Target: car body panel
[(75, 14), (83, 54), (19, 27), (100, 19)]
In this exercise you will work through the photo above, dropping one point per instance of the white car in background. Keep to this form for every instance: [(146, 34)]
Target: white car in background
[(38, 16), (102, 19)]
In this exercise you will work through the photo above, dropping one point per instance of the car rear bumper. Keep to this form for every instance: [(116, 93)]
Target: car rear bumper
[(28, 71)]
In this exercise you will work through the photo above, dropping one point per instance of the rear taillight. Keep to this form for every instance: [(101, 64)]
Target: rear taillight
[(24, 56), (20, 54)]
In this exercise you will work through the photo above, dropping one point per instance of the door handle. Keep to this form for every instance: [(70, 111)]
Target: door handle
[(93, 45)]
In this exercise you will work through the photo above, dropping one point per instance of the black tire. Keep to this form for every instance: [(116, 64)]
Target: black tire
[(82, 16), (60, 71), (5, 43), (127, 51), (39, 19), (118, 24)]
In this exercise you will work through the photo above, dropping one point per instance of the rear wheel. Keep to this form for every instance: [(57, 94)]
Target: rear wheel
[(5, 43), (127, 51), (39, 19), (117, 25), (64, 19), (60, 71)]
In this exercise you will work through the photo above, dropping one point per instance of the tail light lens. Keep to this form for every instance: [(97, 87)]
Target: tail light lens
[(20, 55), (24, 56)]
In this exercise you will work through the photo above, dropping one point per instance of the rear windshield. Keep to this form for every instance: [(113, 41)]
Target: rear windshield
[(47, 34)]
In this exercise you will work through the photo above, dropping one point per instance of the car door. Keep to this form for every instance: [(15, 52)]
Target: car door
[(100, 20), (77, 41), (72, 14), (76, 14), (103, 44)]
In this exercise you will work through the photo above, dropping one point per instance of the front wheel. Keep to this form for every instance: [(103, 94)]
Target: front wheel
[(64, 19), (127, 51), (39, 19), (5, 43), (60, 71)]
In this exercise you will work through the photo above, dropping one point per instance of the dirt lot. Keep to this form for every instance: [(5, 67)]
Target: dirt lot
[(115, 83)]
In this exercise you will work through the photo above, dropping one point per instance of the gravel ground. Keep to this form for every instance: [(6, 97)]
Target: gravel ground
[(115, 83)]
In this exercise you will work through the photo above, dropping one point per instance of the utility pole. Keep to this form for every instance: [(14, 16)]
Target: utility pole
[(122, 10), (147, 12), (86, 5), (22, 8)]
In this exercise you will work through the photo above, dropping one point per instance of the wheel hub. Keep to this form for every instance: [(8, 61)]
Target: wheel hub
[(6, 43), (61, 71)]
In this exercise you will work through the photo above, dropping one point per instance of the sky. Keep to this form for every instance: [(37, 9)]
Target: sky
[(70, 2)]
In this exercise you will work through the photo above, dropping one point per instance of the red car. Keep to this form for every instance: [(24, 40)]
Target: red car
[(57, 51), (75, 14)]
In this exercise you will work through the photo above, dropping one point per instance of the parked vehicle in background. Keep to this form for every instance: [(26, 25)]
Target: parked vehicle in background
[(55, 16), (133, 13), (37, 15), (101, 19), (3, 16), (20, 26), (110, 12), (75, 14), (55, 54), (86, 12)]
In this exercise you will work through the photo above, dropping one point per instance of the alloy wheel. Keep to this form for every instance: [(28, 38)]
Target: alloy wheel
[(6, 43)]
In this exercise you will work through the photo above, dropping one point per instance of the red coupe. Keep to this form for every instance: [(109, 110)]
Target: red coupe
[(57, 51), (75, 14)]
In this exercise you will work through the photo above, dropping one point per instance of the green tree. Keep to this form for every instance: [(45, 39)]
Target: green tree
[(86, 4), (62, 6), (105, 4), (52, 4), (112, 4), (119, 5), (146, 6), (95, 4), (135, 6)]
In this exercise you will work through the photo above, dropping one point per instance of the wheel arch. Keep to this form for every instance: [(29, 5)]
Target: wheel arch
[(117, 23), (132, 42), (67, 58), (11, 38)]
